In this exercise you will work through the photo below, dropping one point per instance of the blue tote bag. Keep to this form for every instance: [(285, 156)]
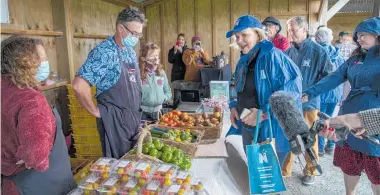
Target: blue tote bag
[(264, 169)]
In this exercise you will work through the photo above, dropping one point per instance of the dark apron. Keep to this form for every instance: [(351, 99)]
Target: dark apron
[(359, 100), (120, 112), (57, 179)]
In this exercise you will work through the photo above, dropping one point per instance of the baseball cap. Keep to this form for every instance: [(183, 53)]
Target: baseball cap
[(272, 20), (196, 38), (341, 34), (244, 22)]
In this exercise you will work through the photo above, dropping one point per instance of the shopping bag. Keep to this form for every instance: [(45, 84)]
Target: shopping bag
[(264, 169)]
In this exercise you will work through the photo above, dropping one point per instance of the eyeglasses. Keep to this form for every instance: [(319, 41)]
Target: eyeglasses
[(135, 34)]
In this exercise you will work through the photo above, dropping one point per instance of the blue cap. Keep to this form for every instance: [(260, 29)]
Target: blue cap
[(370, 25), (244, 22)]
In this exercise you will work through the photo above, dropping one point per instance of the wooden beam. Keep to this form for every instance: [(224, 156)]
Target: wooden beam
[(32, 32), (322, 12), (232, 23), (335, 8), (376, 8), (90, 36), (263, 13), (213, 21), (150, 2), (196, 30), (53, 86), (64, 46), (123, 3), (162, 26)]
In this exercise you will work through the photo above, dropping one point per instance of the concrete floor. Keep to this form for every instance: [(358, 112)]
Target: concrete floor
[(330, 182)]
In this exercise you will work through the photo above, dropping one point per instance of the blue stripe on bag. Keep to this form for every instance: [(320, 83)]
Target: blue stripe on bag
[(264, 170)]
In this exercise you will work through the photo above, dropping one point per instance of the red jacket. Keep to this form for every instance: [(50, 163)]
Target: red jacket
[(281, 42), (27, 132)]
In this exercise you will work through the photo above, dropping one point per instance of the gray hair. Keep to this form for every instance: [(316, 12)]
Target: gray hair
[(131, 14), (300, 21), (324, 35)]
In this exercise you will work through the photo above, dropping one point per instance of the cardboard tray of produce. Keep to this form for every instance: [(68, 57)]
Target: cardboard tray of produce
[(211, 124), (185, 139)]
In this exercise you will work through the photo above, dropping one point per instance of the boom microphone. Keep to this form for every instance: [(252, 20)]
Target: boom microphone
[(290, 118), (294, 125)]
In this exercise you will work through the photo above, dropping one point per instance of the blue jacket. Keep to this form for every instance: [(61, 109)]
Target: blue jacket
[(364, 76), (314, 63), (335, 95), (274, 71)]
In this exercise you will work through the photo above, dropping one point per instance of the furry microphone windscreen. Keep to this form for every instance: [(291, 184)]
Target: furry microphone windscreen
[(288, 115)]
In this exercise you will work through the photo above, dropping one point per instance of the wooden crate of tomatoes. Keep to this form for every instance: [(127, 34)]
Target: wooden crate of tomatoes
[(212, 124)]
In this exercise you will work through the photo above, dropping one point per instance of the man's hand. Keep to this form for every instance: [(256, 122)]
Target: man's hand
[(82, 91), (97, 113), (233, 117), (251, 118)]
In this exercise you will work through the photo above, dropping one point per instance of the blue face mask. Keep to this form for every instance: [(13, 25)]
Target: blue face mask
[(129, 40), (43, 71)]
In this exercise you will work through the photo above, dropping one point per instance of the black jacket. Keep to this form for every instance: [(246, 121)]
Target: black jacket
[(179, 68)]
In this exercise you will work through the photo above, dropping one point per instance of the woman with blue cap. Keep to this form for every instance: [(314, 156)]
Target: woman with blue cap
[(362, 70), (261, 71)]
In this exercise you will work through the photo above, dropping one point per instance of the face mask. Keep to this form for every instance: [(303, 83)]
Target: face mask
[(129, 40), (196, 47), (151, 66), (43, 71)]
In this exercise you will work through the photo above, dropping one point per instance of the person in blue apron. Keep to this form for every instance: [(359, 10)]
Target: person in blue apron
[(261, 71), (362, 70), (34, 154), (329, 100), (113, 68)]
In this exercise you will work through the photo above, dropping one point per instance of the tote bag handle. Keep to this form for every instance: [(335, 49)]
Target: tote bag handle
[(267, 108)]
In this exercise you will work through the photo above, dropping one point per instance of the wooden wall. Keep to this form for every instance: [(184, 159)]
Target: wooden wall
[(346, 22), (33, 15), (91, 17), (211, 19), (88, 23)]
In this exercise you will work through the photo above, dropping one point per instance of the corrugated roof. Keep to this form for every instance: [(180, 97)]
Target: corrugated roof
[(355, 6)]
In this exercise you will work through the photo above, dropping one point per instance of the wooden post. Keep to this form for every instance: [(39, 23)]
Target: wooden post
[(323, 12), (376, 8), (62, 22)]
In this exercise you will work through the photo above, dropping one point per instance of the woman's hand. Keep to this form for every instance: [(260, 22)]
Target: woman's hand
[(251, 118), (233, 117), (305, 98)]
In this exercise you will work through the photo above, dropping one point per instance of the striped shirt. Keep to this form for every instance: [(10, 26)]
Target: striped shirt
[(345, 49)]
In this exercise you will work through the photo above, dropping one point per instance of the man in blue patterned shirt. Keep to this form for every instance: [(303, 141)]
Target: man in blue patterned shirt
[(113, 68)]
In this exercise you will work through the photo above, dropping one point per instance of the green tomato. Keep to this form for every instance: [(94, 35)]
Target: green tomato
[(167, 157), (153, 152), (159, 155), (145, 150), (185, 166), (157, 144), (166, 148)]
